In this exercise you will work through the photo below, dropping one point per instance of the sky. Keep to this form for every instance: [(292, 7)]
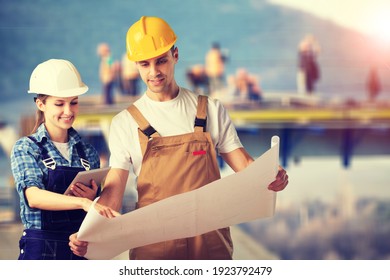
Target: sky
[(369, 16)]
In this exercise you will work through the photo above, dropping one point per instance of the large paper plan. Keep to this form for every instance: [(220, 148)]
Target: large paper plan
[(234, 199)]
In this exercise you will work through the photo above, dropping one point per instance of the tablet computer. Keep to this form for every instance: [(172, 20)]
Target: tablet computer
[(86, 176)]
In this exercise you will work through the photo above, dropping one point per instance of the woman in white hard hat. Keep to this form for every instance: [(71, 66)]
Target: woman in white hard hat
[(45, 163)]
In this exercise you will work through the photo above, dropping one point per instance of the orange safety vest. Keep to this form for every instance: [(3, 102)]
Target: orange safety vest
[(172, 165)]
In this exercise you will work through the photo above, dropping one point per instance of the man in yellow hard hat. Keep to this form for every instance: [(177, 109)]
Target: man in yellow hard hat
[(169, 138)]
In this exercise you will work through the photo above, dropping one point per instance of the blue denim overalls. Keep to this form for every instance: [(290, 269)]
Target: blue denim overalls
[(51, 242)]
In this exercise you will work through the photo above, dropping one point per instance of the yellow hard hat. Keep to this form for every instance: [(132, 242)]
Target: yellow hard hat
[(149, 37), (56, 77)]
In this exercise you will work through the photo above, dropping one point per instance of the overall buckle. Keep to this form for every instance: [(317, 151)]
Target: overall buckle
[(49, 163), (85, 164)]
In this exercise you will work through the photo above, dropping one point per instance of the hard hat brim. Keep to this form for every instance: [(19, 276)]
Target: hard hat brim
[(142, 57), (64, 93)]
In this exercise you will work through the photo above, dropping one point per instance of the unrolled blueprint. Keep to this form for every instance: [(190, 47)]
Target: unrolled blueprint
[(231, 200)]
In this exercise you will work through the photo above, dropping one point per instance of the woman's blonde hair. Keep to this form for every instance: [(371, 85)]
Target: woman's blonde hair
[(40, 117)]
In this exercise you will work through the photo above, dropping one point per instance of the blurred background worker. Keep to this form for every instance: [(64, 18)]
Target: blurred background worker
[(247, 86), (108, 72), (308, 69), (197, 79), (129, 77), (215, 68), (373, 84)]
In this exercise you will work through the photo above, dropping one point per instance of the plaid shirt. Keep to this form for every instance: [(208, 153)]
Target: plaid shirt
[(28, 169)]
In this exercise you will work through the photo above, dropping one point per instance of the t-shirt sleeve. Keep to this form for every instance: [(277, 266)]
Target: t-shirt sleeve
[(228, 139), (118, 144)]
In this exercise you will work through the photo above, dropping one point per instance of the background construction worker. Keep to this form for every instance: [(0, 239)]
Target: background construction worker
[(169, 138), (45, 163), (215, 68)]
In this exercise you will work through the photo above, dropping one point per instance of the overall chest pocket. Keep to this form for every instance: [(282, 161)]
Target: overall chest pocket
[(179, 168)]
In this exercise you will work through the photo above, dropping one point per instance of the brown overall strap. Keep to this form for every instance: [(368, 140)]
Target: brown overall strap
[(145, 130), (201, 114), (143, 124)]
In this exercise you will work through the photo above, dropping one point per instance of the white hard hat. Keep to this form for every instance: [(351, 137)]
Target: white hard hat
[(57, 77)]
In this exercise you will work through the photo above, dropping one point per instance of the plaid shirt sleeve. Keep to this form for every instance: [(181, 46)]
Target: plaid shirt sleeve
[(27, 173), (24, 165)]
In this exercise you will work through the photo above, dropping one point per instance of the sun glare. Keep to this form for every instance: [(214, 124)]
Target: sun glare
[(380, 25)]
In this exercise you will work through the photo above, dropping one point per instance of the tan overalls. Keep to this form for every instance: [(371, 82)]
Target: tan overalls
[(173, 165)]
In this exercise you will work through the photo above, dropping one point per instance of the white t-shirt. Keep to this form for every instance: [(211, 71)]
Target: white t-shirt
[(63, 148), (173, 117)]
